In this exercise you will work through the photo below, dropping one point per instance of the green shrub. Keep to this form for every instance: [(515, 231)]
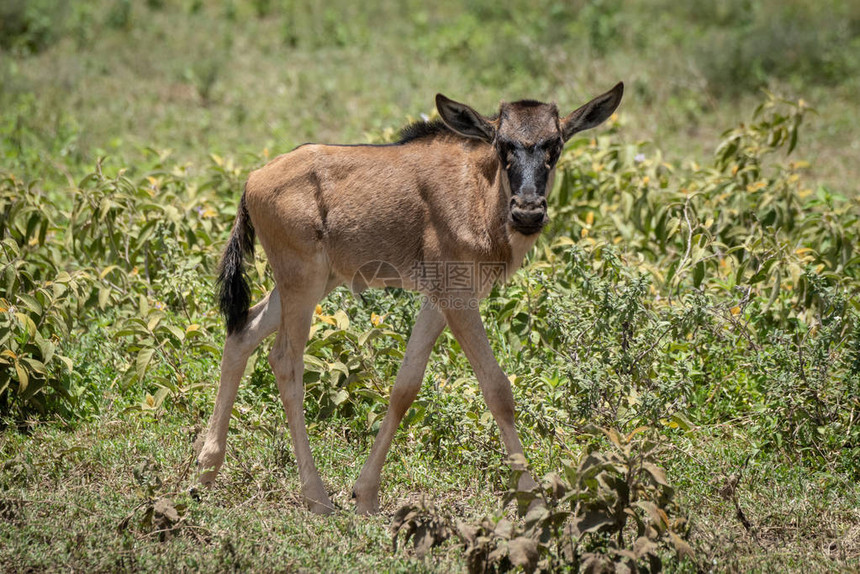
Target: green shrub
[(759, 41), (733, 283), (29, 25), (662, 295)]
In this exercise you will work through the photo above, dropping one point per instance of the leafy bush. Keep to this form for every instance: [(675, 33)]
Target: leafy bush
[(39, 302), (696, 289), (663, 294), (114, 250), (28, 25), (612, 512)]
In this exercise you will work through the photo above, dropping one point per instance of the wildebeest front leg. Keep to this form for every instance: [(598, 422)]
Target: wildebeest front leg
[(495, 386), (428, 326)]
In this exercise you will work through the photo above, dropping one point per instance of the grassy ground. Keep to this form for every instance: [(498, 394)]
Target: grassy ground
[(230, 78), (245, 80), (84, 509), (78, 500)]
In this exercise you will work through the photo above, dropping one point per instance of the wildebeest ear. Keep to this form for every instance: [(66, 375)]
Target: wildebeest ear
[(593, 113), (464, 120)]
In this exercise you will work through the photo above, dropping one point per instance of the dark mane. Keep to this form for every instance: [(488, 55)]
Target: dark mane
[(421, 129)]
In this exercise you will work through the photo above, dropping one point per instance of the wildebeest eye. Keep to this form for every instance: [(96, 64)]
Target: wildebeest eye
[(551, 151), (506, 154)]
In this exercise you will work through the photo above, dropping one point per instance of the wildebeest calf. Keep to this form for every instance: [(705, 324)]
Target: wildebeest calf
[(449, 209)]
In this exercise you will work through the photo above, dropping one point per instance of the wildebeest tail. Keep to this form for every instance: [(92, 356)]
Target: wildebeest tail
[(234, 294)]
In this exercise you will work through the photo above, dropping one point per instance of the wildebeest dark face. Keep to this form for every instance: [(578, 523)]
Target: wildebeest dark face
[(528, 137), (529, 142)]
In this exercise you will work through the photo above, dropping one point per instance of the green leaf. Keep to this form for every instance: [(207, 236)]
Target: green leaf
[(70, 365), (314, 364), (159, 396), (176, 332), (698, 274), (30, 303), (28, 323), (46, 347), (143, 305), (368, 336), (340, 397), (338, 367), (35, 365), (104, 208), (144, 356), (104, 296), (341, 319), (681, 421)]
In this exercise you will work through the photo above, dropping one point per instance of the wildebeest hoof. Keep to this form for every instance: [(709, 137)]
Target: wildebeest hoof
[(323, 508), (366, 507)]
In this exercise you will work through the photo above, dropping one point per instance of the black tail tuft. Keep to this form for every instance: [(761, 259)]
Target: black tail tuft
[(234, 295)]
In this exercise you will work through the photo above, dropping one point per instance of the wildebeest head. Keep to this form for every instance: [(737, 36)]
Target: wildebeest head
[(528, 137)]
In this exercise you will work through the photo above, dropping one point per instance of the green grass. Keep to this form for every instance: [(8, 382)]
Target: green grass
[(76, 499), (201, 78), (83, 509)]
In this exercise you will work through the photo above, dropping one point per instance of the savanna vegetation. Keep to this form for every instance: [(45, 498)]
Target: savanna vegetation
[(684, 342)]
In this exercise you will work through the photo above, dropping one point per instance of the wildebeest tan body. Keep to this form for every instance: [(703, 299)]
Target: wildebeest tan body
[(470, 191)]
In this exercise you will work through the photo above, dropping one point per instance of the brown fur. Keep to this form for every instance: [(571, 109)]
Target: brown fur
[(322, 212), (430, 200)]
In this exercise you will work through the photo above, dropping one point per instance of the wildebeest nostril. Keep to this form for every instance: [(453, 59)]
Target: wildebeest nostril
[(528, 203), (528, 217)]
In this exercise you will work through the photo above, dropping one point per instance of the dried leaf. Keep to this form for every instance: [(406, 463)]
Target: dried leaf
[(523, 551), (643, 546), (634, 432), (593, 563), (23, 377), (684, 550), (165, 509), (504, 529), (612, 435), (557, 486), (656, 472), (423, 539), (593, 521), (651, 509), (467, 532)]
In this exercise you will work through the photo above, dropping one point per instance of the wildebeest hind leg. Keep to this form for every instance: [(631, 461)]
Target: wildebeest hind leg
[(287, 361), (263, 320)]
